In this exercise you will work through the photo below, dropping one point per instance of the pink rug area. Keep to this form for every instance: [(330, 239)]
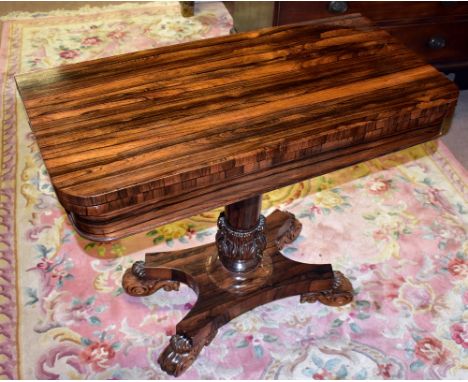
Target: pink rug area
[(396, 226)]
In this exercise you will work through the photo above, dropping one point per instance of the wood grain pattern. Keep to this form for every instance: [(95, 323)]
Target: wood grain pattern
[(223, 295), (414, 23), (145, 216), (381, 12), (145, 138)]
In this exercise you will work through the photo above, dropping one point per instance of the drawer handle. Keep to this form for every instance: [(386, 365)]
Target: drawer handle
[(337, 6), (436, 42)]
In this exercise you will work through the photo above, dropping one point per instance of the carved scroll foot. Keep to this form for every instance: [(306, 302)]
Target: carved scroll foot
[(182, 351), (341, 293), (136, 282), (289, 231), (179, 355), (224, 295)]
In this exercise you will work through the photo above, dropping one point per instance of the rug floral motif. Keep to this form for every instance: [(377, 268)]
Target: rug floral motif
[(396, 226)]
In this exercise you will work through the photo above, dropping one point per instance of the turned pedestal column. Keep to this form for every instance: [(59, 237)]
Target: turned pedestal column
[(241, 236), (243, 269)]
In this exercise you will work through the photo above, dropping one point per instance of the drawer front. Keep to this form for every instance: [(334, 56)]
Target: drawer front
[(296, 11), (436, 30), (437, 43)]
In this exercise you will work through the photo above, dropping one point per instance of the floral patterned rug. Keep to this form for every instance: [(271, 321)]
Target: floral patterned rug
[(396, 226)]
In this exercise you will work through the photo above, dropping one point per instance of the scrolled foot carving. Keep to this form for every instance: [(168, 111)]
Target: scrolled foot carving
[(290, 233), (138, 269), (341, 293), (179, 355), (170, 286), (135, 282)]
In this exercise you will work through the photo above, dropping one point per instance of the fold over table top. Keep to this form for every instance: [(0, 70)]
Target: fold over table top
[(155, 124)]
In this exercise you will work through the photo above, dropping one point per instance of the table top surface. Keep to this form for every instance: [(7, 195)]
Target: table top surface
[(123, 125)]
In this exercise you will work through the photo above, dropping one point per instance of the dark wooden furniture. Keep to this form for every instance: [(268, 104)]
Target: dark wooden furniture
[(142, 139), (187, 8), (437, 30)]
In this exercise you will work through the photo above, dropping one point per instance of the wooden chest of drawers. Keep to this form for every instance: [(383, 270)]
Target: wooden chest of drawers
[(438, 30)]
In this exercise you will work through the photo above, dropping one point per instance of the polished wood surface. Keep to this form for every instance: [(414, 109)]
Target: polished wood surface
[(146, 215), (146, 138), (223, 295), (138, 140), (381, 12), (437, 30), (243, 215)]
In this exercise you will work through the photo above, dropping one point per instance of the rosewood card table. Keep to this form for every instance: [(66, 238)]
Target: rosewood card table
[(142, 139)]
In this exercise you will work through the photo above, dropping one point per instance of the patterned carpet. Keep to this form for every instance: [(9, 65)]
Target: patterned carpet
[(396, 226)]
